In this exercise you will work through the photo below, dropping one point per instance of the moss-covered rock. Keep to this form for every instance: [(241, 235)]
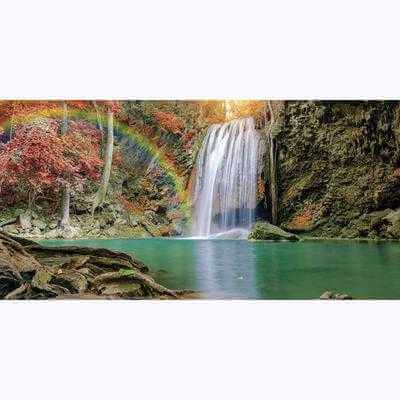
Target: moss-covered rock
[(267, 231)]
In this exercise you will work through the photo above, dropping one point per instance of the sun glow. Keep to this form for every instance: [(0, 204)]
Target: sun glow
[(235, 109)]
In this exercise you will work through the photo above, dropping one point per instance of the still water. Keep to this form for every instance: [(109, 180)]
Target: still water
[(239, 269)]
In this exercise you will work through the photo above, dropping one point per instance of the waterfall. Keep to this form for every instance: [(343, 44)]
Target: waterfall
[(226, 178)]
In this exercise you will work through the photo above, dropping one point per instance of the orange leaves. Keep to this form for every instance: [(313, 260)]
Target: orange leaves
[(306, 217), (212, 111), (9, 109), (169, 122), (127, 205), (246, 108), (219, 111)]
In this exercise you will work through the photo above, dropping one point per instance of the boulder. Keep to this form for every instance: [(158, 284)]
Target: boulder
[(267, 231), (25, 221), (37, 223), (393, 217), (12, 229)]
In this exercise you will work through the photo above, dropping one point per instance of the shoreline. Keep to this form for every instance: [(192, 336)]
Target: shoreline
[(302, 239)]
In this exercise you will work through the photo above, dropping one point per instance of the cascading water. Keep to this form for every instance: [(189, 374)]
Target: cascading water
[(226, 178)]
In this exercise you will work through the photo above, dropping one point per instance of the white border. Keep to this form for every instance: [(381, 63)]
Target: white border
[(199, 49)]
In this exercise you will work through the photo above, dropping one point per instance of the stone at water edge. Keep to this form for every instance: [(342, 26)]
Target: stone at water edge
[(328, 295), (267, 231), (393, 216)]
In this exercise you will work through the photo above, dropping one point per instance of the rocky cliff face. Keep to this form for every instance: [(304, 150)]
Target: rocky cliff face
[(339, 168)]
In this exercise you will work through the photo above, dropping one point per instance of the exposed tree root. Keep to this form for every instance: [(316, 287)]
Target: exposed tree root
[(31, 271)]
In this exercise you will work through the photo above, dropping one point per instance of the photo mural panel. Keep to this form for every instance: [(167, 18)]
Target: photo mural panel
[(199, 199)]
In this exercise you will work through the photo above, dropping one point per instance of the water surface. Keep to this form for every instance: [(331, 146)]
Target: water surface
[(238, 269)]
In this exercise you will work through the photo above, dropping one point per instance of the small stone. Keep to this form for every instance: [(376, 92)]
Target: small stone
[(342, 296), (327, 295)]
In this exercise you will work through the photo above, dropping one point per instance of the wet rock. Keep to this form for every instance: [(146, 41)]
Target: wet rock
[(267, 231)]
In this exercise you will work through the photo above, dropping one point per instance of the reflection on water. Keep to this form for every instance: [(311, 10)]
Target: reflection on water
[(225, 269), (239, 269)]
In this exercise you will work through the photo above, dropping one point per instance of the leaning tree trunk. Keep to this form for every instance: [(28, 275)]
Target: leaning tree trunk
[(272, 166), (102, 191), (63, 222)]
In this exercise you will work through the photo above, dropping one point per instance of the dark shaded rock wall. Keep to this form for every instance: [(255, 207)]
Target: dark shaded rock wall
[(339, 165)]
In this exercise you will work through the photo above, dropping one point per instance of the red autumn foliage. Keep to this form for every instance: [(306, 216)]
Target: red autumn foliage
[(169, 122), (14, 108), (113, 106), (38, 160)]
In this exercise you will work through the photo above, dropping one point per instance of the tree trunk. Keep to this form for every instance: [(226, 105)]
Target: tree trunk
[(102, 192), (65, 206), (63, 222), (99, 124), (272, 167), (64, 125)]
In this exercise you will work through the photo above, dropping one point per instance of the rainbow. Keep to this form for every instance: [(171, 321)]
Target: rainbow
[(142, 141)]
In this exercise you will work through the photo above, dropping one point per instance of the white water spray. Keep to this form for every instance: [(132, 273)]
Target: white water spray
[(226, 178)]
